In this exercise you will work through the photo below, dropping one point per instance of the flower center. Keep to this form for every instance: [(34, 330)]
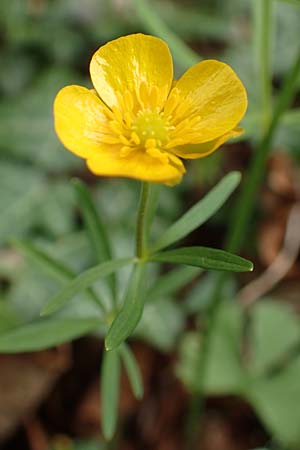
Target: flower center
[(150, 125)]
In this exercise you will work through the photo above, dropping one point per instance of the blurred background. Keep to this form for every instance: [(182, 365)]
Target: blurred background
[(49, 400)]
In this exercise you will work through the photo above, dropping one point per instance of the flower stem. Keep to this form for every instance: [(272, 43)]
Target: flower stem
[(142, 224)]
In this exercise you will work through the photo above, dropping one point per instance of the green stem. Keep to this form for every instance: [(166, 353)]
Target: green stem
[(142, 224), (262, 20), (183, 54)]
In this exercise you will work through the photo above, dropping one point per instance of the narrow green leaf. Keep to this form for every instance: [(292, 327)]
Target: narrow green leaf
[(45, 333), (171, 282), (83, 281), (96, 230), (54, 268), (200, 212), (110, 387), (206, 258), (133, 370), (131, 312), (8, 317)]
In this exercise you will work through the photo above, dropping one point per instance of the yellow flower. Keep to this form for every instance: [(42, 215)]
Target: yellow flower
[(138, 122)]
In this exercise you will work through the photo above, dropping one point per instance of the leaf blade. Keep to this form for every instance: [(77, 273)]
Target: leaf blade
[(45, 333), (206, 258), (110, 387), (131, 312), (132, 370), (199, 213), (83, 281), (96, 231), (53, 267)]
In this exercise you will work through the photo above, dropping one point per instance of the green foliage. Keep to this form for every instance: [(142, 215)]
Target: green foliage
[(110, 385), (271, 337), (171, 282), (8, 319), (199, 297), (95, 228), (200, 212), (34, 139), (38, 281), (45, 333), (267, 377), (224, 372), (161, 324), (276, 399), (129, 316), (206, 258), (83, 281), (19, 202), (44, 261), (47, 45), (56, 269), (133, 371)]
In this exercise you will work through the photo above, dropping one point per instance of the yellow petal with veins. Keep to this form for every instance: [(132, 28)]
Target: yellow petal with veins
[(132, 64), (139, 165), (80, 120), (207, 102), (194, 151)]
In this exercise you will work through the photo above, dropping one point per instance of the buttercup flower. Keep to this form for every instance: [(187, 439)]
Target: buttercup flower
[(138, 122)]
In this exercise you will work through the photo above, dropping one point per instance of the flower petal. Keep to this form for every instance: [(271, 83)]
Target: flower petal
[(127, 63), (195, 151), (138, 165), (208, 101), (79, 117)]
